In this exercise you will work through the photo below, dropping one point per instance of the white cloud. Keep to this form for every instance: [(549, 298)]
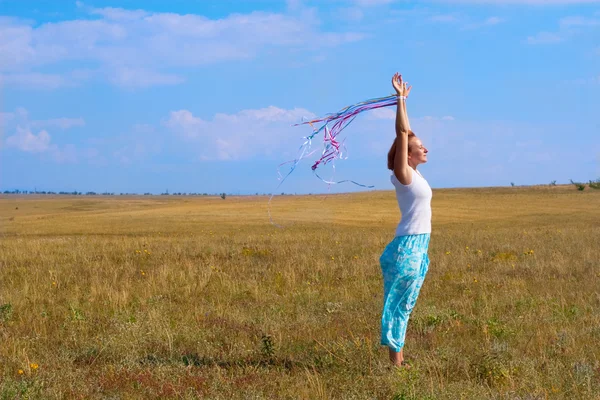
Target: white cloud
[(370, 134), (29, 142), (389, 113), (5, 117), (433, 118), (33, 80), (493, 21), (577, 21), (545, 38), (464, 21), (584, 81), (353, 14), (133, 152), (382, 113), (444, 18), (371, 3), (143, 128), (185, 124), (529, 143), (139, 77), (294, 5), (132, 147), (521, 2), (37, 80), (62, 123), (568, 26), (248, 133), (67, 154), (136, 48), (20, 117), (119, 14)]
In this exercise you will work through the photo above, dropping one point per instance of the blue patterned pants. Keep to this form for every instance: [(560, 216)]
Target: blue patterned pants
[(404, 264)]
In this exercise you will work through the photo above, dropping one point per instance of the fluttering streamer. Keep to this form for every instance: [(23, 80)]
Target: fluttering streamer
[(330, 127)]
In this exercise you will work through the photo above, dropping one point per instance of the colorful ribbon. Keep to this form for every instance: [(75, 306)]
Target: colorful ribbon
[(332, 148), (331, 126)]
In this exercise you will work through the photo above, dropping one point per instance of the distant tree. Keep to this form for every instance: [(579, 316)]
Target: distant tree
[(580, 186), (223, 196)]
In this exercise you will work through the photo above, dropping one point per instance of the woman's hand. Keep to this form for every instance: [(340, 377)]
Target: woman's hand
[(402, 88)]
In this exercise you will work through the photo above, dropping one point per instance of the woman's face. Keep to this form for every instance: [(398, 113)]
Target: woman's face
[(418, 152)]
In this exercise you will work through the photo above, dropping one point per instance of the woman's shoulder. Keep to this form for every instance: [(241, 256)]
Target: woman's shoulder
[(399, 184)]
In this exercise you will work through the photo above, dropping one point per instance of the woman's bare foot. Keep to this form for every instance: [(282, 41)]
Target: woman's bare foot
[(397, 358)]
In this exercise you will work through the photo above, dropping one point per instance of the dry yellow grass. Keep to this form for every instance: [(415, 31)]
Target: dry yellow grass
[(166, 297)]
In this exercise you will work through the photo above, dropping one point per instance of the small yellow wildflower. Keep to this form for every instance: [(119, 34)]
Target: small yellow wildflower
[(20, 372), (466, 247), (355, 257), (53, 283), (447, 253), (33, 366), (333, 258), (475, 280)]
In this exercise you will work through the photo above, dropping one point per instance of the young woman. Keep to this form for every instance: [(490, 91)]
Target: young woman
[(404, 261)]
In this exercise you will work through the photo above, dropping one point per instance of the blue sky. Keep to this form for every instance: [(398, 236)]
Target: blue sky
[(200, 96)]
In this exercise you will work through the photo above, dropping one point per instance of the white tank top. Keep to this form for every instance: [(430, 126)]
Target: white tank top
[(415, 205)]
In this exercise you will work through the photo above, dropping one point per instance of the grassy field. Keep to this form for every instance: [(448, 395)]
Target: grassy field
[(179, 297)]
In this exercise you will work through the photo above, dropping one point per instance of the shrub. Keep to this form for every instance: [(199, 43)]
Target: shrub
[(594, 184), (578, 185)]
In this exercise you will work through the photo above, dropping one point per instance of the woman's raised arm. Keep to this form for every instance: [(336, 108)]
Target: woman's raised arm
[(401, 167)]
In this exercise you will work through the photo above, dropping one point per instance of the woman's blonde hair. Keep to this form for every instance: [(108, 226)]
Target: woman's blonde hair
[(392, 152)]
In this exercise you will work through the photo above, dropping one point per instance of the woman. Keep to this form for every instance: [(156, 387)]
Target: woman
[(404, 261)]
